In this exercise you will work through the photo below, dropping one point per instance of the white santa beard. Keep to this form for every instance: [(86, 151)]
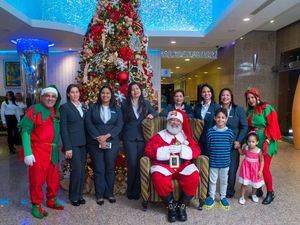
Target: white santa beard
[(173, 129)]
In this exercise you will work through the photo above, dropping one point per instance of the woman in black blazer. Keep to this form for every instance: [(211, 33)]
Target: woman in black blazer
[(178, 104), (237, 122), (104, 124), (73, 137), (135, 109), (205, 110)]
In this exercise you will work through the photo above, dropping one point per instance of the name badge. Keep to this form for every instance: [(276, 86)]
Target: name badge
[(112, 111)]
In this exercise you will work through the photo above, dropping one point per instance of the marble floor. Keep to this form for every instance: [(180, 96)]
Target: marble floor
[(15, 205)]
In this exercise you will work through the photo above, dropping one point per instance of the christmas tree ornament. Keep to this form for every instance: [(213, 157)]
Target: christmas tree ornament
[(123, 77)]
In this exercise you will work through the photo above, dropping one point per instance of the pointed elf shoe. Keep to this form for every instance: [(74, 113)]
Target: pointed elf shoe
[(54, 204), (38, 212)]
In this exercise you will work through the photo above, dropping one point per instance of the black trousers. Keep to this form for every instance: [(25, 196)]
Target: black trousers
[(234, 165), (12, 130), (104, 161), (77, 177), (134, 152)]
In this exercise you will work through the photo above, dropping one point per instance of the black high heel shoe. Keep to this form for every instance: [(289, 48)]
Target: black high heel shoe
[(111, 200), (100, 201)]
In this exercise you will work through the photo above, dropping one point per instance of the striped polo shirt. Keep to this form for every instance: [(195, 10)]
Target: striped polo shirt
[(219, 142)]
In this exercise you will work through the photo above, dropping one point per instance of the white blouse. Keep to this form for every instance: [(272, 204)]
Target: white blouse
[(105, 114), (78, 106), (204, 109), (9, 110)]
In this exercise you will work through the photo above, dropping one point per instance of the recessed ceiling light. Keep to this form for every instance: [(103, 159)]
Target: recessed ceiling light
[(189, 78), (241, 38), (219, 68), (272, 21), (196, 75), (172, 72), (177, 67), (246, 19), (205, 72), (173, 42), (187, 60)]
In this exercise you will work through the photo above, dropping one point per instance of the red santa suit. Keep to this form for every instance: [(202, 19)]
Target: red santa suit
[(160, 147)]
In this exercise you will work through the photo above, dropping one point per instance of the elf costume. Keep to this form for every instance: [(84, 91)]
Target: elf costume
[(40, 137), (263, 119)]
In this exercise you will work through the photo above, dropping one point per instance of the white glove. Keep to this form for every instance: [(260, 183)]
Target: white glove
[(163, 153), (29, 160), (186, 152), (175, 149)]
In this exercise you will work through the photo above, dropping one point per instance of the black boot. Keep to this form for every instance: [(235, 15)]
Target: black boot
[(181, 209), (269, 198), (181, 212), (171, 206)]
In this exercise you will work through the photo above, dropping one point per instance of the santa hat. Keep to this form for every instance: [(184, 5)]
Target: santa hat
[(182, 116), (254, 91), (49, 90)]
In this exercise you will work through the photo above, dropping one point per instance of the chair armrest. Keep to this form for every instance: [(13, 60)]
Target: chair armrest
[(202, 163), (145, 165)]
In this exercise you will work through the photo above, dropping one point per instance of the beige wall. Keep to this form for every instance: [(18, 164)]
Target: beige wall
[(217, 78), (263, 43)]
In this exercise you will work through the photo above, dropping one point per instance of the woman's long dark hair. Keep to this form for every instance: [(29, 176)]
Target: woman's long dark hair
[(69, 88), (211, 90), (231, 94), (128, 104), (112, 102), (12, 96)]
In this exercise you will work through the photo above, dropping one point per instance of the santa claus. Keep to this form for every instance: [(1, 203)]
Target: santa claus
[(171, 152)]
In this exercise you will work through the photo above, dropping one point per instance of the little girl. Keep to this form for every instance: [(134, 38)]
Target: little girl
[(251, 167)]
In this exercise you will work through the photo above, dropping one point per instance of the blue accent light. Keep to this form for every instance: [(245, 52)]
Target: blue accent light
[(159, 17), (32, 45)]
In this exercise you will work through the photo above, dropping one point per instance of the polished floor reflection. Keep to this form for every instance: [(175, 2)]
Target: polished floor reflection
[(15, 205)]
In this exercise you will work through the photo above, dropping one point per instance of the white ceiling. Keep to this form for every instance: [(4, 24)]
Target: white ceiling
[(229, 28)]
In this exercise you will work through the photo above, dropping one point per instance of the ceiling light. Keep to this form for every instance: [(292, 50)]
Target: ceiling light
[(246, 19), (173, 42), (187, 60), (272, 21), (196, 75), (177, 67), (219, 68), (164, 78), (205, 72), (241, 38), (172, 72), (189, 78)]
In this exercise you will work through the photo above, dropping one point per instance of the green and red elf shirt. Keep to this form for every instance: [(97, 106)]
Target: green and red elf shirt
[(40, 132), (263, 119)]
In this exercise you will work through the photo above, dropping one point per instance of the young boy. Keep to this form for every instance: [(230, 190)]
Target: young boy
[(219, 141)]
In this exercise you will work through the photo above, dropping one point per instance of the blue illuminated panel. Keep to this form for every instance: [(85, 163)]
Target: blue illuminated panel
[(158, 16)]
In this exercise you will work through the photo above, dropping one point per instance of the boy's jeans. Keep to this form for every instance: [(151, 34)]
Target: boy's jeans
[(214, 173)]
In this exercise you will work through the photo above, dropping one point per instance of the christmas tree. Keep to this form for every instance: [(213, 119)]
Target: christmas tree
[(115, 52)]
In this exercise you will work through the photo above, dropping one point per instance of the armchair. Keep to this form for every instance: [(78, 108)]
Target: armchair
[(151, 127)]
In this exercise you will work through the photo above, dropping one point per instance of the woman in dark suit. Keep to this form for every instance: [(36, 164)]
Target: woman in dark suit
[(178, 104), (205, 110), (104, 124), (135, 109), (73, 137), (237, 122)]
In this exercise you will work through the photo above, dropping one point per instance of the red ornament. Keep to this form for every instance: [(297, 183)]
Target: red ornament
[(125, 53), (110, 75), (115, 15), (123, 77), (108, 7), (134, 62), (124, 89)]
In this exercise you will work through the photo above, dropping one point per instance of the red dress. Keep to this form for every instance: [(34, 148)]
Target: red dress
[(249, 170)]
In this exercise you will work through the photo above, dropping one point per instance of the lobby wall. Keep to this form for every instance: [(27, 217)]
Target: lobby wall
[(218, 73), (263, 44)]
